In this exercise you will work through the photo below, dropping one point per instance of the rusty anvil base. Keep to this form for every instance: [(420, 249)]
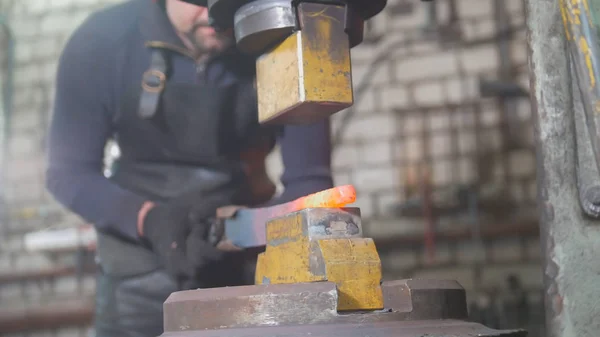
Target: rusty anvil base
[(323, 279), (413, 308)]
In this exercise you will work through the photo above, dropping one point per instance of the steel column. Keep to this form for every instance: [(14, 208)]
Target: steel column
[(570, 240)]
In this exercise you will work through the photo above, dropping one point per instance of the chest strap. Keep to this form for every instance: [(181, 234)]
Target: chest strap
[(153, 84)]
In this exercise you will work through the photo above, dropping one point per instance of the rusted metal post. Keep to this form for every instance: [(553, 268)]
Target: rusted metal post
[(570, 240)]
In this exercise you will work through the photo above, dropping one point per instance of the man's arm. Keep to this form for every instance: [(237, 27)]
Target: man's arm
[(80, 126), (306, 156)]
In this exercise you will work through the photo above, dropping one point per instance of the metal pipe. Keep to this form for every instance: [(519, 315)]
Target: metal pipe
[(570, 241)]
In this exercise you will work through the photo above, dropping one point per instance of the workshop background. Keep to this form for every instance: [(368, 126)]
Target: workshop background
[(439, 146)]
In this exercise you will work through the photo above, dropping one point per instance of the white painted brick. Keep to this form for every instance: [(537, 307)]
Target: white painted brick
[(345, 156), (429, 93), (524, 110), (474, 8), (480, 30), (77, 18), (6, 263), (439, 121), (23, 97), (413, 124), (27, 261), (468, 170), (73, 332), (435, 65), (56, 23), (378, 73), (24, 51), (415, 20), (377, 152), (38, 6), (413, 149), (480, 59), (365, 203), (12, 244), (522, 163), (523, 81), (383, 227), (41, 334), (18, 9), (394, 97), (377, 26), (491, 139), (48, 49), (32, 192), (342, 178), (374, 179), (399, 261), (440, 145), (519, 52), (67, 285), (26, 121), (516, 192), (495, 276), (506, 250), (398, 149), (365, 103), (469, 252), (370, 127), (467, 141), (490, 117), (23, 144), (12, 291), (336, 120), (454, 91), (463, 119), (442, 253), (514, 6), (26, 75), (63, 4), (442, 172), (424, 46), (386, 201), (464, 275), (89, 284), (24, 168), (497, 169)]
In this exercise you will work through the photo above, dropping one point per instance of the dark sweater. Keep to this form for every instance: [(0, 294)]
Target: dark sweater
[(103, 58)]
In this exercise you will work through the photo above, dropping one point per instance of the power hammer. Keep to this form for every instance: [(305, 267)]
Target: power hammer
[(303, 67)]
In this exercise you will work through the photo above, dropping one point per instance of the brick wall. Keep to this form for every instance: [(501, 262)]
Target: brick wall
[(41, 28), (422, 110), (418, 109)]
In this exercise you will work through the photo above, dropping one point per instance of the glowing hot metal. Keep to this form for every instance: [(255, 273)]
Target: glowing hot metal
[(245, 227)]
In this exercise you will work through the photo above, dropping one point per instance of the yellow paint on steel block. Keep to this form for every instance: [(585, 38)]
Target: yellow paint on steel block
[(354, 265), (291, 256), (286, 258), (278, 78), (310, 72)]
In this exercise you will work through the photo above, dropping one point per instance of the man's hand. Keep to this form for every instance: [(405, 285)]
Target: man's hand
[(179, 242)]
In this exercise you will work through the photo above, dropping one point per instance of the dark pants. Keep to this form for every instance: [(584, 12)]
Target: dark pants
[(131, 287), (133, 306)]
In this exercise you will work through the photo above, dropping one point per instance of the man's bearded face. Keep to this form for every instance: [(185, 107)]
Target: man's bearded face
[(191, 21)]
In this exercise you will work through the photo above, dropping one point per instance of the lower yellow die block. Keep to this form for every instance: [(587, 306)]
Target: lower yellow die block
[(324, 244)]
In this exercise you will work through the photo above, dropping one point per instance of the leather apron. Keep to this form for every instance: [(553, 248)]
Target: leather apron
[(173, 138)]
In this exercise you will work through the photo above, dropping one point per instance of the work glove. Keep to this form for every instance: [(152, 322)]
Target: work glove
[(177, 232)]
